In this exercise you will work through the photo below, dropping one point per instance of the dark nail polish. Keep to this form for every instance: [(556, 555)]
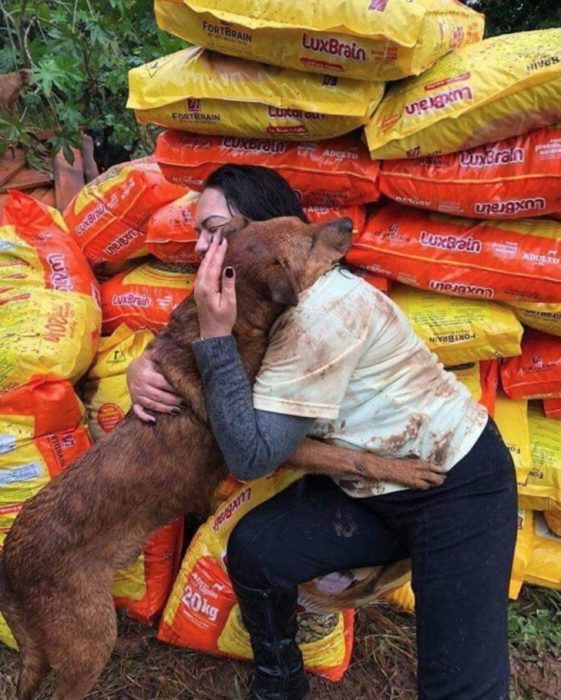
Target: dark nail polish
[(176, 411), (229, 272)]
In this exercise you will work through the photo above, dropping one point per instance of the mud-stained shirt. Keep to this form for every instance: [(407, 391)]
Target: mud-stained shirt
[(347, 357)]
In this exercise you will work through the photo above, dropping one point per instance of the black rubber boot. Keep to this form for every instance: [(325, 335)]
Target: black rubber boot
[(270, 619)]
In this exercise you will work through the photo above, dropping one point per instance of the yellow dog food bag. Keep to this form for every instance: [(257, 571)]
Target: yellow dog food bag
[(541, 316), (511, 417), (364, 39), (544, 568), (208, 93), (460, 330), (202, 612), (501, 87), (105, 392), (542, 488), (523, 551), (49, 313)]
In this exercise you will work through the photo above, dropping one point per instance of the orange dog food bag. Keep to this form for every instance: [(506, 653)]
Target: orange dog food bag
[(506, 261), (145, 296), (552, 408), (202, 612), (536, 373), (510, 179), (109, 216), (501, 87), (171, 231), (48, 296), (333, 173), (209, 93), (373, 40)]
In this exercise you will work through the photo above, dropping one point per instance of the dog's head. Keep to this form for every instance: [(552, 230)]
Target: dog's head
[(279, 258)]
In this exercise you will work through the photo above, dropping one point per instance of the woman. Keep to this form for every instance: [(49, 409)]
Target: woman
[(345, 365)]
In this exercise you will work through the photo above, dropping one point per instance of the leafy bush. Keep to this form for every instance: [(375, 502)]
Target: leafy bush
[(80, 52)]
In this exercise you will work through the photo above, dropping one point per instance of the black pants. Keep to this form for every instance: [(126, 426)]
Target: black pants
[(460, 537)]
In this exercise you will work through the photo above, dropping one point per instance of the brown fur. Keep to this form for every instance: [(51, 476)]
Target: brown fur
[(10, 87), (61, 554)]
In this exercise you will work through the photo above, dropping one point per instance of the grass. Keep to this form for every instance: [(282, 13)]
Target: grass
[(382, 667)]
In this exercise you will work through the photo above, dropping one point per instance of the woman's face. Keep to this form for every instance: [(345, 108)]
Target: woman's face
[(212, 213)]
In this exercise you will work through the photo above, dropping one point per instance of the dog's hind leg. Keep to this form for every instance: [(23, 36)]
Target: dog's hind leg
[(79, 645), (33, 671)]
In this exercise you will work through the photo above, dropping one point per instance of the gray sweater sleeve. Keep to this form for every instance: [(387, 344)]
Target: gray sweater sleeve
[(253, 442)]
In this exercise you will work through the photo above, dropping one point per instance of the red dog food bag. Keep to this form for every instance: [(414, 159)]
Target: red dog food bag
[(512, 179), (536, 373), (171, 231), (552, 408), (145, 296), (505, 261), (333, 173), (109, 216)]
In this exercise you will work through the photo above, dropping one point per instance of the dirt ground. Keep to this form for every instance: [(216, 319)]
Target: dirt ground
[(382, 668)]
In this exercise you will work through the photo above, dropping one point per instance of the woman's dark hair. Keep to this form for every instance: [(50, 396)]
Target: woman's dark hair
[(256, 192)]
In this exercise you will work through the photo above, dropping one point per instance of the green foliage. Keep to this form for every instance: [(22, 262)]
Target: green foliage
[(534, 624), (507, 16), (80, 52)]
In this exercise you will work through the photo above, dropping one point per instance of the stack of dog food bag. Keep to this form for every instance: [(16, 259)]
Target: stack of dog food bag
[(288, 87), (445, 151), (49, 331), (470, 154)]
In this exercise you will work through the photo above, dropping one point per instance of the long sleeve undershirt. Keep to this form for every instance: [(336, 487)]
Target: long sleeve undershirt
[(253, 442)]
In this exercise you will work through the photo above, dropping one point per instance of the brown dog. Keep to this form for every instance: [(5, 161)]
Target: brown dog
[(61, 554)]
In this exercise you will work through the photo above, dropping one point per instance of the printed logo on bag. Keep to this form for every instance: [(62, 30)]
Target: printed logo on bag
[(193, 105), (436, 102), (233, 143), (462, 290), (491, 157), (511, 206), (226, 31), (59, 274), (334, 47), (455, 243)]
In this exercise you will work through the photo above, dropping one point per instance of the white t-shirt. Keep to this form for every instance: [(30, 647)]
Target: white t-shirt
[(347, 356)]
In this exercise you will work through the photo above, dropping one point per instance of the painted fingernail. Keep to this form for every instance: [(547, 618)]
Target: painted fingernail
[(176, 411), (229, 272)]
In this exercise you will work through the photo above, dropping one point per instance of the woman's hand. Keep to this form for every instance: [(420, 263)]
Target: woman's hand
[(215, 292), (149, 389)]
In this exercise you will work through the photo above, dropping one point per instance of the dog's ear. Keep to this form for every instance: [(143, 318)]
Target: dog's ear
[(237, 223), (282, 284)]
